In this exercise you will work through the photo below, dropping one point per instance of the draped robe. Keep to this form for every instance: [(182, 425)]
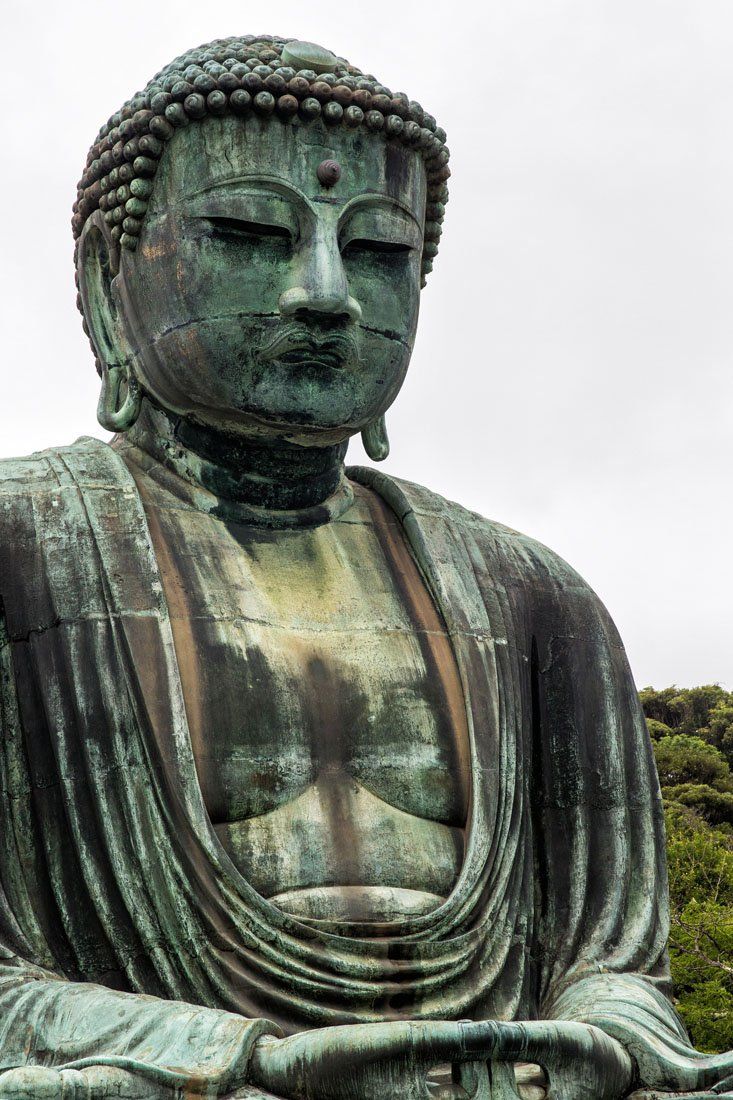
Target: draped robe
[(113, 883)]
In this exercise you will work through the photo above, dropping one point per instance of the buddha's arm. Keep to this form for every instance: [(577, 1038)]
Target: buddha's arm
[(629, 1008), (47, 1021), (600, 845)]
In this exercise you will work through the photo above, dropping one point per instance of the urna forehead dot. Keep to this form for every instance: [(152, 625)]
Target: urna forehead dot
[(308, 55), (328, 172)]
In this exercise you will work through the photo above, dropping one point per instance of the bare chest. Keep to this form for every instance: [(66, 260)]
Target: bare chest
[(326, 715)]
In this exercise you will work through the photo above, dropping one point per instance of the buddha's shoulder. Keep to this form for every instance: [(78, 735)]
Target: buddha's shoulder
[(510, 556), (33, 485), (87, 458)]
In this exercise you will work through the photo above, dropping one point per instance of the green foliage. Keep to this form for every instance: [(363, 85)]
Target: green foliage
[(707, 1011), (705, 712), (657, 729), (716, 807), (692, 732), (694, 705), (684, 759), (719, 730), (701, 935)]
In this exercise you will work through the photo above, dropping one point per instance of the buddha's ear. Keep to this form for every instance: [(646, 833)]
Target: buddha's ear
[(97, 263)]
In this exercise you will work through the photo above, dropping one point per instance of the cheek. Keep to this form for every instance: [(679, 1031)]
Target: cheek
[(205, 361), (385, 357), (176, 277), (388, 290)]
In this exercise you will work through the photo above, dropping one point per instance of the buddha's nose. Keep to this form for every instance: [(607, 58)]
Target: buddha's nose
[(321, 288)]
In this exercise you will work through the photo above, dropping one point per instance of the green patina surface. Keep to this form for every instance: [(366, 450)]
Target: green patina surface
[(312, 784)]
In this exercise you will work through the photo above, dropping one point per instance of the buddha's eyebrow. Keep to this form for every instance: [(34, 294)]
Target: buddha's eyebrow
[(273, 184), (376, 199)]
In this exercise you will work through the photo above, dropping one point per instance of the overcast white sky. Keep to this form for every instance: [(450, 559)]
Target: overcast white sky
[(572, 375)]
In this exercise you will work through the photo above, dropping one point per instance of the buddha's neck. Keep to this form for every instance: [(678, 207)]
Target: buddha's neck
[(295, 485)]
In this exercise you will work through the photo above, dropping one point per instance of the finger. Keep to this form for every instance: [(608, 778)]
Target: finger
[(30, 1083), (97, 1082), (424, 1042), (543, 1041), (450, 1040), (431, 1041)]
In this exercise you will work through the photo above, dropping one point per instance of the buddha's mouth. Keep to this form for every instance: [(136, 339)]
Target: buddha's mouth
[(296, 344), (318, 357)]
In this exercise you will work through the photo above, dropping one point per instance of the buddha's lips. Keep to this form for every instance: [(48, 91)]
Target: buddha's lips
[(298, 345), (301, 357)]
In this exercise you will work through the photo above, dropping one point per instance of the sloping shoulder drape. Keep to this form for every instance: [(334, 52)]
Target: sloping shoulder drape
[(112, 880)]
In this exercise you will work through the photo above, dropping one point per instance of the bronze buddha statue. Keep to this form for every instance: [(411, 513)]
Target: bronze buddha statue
[(311, 781)]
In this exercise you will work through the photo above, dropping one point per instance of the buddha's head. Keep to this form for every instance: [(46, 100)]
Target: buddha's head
[(253, 230)]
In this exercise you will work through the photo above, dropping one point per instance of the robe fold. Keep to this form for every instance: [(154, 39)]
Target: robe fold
[(112, 879)]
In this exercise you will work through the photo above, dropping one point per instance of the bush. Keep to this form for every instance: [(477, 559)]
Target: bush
[(716, 807), (684, 759), (719, 729), (657, 705), (701, 932), (685, 710), (657, 730), (694, 706), (692, 734), (707, 1011)]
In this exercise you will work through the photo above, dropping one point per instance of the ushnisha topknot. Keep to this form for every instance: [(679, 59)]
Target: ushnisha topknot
[(285, 79)]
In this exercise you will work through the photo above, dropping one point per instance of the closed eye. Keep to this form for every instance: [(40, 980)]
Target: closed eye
[(236, 228), (363, 244)]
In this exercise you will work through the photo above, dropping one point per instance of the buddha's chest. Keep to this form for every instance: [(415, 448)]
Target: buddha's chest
[(275, 709), (326, 715)]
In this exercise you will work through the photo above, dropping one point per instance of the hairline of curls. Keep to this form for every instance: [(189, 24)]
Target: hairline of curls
[(242, 76)]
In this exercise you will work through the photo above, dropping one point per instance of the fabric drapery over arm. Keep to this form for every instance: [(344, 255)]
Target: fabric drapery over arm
[(602, 922), (45, 1018), (47, 1021), (636, 1013)]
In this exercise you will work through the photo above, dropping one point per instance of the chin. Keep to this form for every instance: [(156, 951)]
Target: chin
[(254, 423), (327, 410)]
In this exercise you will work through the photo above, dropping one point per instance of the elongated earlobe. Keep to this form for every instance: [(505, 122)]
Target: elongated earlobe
[(111, 415), (374, 438), (120, 399)]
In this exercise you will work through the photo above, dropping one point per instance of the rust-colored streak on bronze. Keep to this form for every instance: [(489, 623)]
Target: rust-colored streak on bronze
[(431, 630)]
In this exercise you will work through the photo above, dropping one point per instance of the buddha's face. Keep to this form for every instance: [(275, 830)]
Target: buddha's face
[(262, 301)]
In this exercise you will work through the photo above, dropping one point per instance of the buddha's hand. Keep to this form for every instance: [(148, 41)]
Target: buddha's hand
[(581, 1062), (90, 1083), (371, 1061)]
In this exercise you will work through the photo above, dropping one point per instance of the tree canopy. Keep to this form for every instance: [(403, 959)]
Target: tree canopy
[(692, 733)]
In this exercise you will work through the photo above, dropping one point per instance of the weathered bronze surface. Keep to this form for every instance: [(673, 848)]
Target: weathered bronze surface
[(313, 785)]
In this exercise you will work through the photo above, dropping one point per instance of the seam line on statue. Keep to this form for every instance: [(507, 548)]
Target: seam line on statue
[(241, 315), (92, 616), (188, 507), (481, 635), (98, 616), (389, 334)]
